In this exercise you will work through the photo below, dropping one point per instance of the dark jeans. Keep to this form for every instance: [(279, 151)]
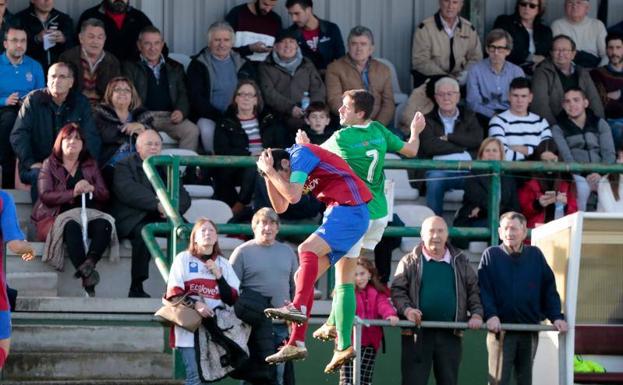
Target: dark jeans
[(7, 156), (226, 180), (30, 177), (98, 231), (517, 357), (436, 348)]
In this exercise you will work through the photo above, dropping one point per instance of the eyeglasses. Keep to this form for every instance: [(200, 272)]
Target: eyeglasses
[(562, 50), (246, 95), (576, 2), (528, 5), (122, 90), (499, 48), (448, 94)]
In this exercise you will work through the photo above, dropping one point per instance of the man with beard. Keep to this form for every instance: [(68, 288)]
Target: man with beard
[(122, 23), (19, 74), (257, 17), (609, 82), (50, 32)]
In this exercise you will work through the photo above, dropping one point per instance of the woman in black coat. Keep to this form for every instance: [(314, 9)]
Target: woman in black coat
[(119, 120), (475, 209), (246, 129), (532, 40)]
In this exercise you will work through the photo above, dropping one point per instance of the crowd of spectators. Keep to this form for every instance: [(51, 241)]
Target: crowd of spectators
[(539, 93)]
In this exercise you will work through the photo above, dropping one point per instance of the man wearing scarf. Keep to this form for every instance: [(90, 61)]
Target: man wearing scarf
[(285, 77)]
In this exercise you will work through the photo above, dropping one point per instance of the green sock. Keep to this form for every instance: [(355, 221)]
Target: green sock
[(331, 319), (344, 309)]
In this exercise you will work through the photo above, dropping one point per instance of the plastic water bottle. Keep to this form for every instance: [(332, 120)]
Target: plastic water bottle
[(305, 101), (559, 212)]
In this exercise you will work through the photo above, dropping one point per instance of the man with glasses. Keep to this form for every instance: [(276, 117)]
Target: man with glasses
[(556, 75), (19, 74), (589, 34), (488, 80), (451, 133), (444, 44), (41, 116)]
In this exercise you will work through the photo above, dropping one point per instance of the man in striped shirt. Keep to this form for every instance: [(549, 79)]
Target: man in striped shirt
[(519, 130)]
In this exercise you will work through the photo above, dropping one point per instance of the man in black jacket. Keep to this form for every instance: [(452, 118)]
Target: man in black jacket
[(136, 205), (50, 32), (123, 24), (43, 113), (161, 84)]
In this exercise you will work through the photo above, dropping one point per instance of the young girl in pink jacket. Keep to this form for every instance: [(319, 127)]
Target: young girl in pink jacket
[(372, 303)]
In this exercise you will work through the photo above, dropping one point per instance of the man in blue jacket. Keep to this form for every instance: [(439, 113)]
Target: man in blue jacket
[(516, 286), (19, 74)]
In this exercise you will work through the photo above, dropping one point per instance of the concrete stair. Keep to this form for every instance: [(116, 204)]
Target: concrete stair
[(99, 339)]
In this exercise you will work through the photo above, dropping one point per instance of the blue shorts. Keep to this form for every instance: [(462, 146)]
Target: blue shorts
[(5, 324), (342, 227)]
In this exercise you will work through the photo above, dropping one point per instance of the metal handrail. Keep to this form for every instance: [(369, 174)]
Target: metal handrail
[(178, 231)]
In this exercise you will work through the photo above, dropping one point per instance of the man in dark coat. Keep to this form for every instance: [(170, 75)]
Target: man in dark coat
[(136, 205)]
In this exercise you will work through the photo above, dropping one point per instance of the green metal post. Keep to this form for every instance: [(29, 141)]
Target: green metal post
[(494, 202)]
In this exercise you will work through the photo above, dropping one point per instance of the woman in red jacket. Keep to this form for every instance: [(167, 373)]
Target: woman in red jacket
[(65, 175), (548, 196)]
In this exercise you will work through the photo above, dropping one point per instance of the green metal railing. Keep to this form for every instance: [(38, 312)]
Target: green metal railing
[(178, 231)]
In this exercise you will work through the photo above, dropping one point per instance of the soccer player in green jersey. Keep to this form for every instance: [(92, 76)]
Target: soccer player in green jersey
[(363, 143)]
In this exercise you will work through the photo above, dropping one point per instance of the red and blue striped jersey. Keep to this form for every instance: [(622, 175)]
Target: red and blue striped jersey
[(327, 176)]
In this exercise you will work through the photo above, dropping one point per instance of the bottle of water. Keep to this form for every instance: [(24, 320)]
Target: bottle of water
[(305, 101), (559, 212)]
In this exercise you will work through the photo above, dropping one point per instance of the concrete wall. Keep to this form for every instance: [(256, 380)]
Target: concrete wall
[(185, 22)]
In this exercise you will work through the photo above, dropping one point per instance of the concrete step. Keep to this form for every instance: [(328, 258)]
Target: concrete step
[(87, 305), (87, 338), (96, 382), (75, 365), (34, 284)]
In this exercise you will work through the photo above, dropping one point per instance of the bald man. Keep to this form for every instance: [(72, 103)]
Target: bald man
[(135, 204), (435, 283)]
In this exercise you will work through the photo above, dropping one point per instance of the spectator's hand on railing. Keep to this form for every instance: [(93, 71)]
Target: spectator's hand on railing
[(548, 156), (493, 324), (561, 325), (301, 137), (414, 315), (393, 320), (521, 149), (475, 322), (204, 309)]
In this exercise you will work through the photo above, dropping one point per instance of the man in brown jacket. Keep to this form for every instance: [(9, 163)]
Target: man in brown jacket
[(435, 283), (358, 70)]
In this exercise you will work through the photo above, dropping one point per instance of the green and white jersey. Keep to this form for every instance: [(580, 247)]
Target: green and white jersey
[(364, 149)]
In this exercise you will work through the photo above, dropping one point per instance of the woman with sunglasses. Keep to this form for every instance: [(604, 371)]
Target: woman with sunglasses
[(532, 40)]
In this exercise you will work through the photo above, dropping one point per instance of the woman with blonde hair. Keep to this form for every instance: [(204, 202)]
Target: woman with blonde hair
[(208, 279), (119, 119), (475, 209)]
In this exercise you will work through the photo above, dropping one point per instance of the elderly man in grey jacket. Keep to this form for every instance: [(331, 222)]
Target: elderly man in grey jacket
[(583, 137), (435, 283)]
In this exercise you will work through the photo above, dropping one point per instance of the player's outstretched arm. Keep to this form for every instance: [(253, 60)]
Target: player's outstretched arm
[(412, 146)]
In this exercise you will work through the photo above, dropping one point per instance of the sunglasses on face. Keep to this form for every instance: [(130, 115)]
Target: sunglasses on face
[(529, 5)]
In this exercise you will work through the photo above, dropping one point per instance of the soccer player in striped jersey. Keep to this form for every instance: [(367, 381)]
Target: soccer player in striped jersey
[(311, 169)]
